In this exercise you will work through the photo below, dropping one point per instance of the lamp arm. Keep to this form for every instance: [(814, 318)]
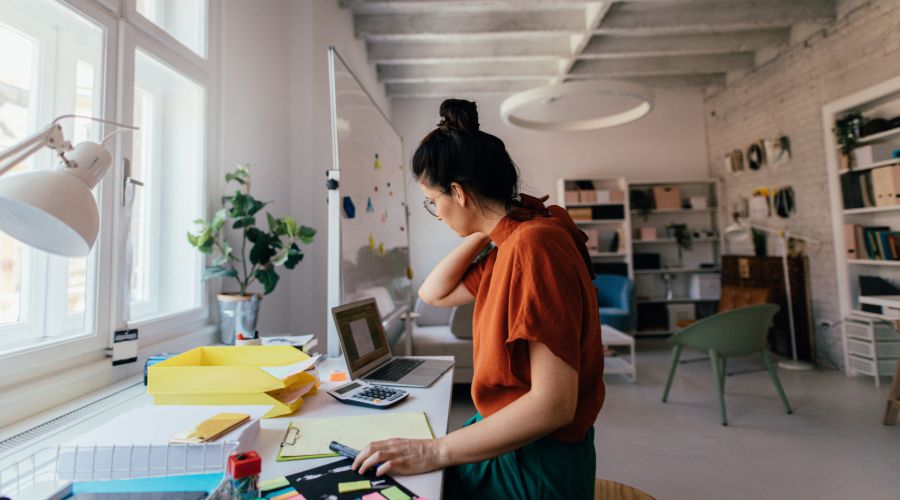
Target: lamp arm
[(51, 134), (782, 232)]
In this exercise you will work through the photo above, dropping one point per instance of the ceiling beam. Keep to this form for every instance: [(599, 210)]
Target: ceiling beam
[(498, 69), (651, 66), (711, 16), (668, 81), (607, 46), (373, 7), (461, 88), (415, 26), (469, 47)]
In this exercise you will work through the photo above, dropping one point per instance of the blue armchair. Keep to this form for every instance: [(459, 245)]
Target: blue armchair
[(615, 294)]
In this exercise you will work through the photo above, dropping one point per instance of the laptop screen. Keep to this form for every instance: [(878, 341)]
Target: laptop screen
[(362, 335)]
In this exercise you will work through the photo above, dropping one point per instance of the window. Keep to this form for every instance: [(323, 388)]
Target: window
[(185, 20), (168, 156), (51, 64)]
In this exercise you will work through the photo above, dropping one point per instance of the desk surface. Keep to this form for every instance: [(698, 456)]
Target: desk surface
[(434, 401)]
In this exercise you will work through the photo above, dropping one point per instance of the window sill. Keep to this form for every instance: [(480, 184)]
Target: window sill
[(48, 394)]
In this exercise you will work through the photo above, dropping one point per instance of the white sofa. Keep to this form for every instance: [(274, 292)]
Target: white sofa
[(445, 331)]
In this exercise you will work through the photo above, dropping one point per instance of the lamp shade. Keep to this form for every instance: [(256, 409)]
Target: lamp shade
[(53, 211)]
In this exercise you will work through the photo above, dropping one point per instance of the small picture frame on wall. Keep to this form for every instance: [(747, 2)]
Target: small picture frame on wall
[(734, 161)]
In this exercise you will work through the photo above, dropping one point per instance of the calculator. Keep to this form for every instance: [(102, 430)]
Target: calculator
[(371, 395)]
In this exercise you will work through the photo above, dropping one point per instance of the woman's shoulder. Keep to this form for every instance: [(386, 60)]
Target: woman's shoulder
[(540, 233)]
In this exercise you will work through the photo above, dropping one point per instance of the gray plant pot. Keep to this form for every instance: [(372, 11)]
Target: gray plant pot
[(237, 314)]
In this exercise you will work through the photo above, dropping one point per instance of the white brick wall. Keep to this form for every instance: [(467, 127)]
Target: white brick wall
[(785, 96)]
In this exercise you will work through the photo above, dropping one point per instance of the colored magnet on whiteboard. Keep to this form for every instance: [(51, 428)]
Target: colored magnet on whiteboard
[(349, 208), (377, 162), (402, 228), (381, 249), (376, 189), (391, 193), (384, 217), (389, 184), (409, 273), (371, 242), (369, 206)]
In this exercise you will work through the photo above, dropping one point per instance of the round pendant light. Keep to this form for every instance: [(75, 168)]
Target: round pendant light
[(511, 110)]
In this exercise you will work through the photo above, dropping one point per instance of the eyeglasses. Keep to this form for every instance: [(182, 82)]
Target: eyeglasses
[(431, 206)]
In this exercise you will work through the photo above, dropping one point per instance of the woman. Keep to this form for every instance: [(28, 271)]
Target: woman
[(538, 382)]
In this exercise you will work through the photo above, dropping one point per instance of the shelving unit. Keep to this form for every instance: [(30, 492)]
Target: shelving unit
[(869, 343), (610, 220), (653, 310)]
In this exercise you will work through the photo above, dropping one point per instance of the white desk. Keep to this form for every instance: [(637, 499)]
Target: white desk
[(434, 401)]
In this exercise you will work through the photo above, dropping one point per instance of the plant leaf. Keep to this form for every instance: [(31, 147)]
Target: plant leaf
[(219, 220), (219, 271), (262, 251), (307, 234), (294, 256), (244, 221), (268, 277)]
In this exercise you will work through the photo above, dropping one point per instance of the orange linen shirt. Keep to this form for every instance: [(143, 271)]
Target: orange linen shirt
[(536, 286)]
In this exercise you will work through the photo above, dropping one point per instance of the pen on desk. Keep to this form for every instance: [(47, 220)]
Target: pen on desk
[(343, 450)]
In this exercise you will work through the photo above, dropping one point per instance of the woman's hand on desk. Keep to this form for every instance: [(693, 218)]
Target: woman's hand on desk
[(401, 456)]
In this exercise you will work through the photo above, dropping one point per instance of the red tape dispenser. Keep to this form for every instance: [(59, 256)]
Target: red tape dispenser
[(243, 473)]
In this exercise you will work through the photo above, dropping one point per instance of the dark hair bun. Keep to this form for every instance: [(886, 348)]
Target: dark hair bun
[(459, 114)]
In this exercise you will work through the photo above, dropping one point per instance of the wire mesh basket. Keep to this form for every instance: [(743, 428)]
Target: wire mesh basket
[(99, 463)]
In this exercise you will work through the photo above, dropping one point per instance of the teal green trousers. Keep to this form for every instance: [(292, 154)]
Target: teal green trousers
[(544, 469)]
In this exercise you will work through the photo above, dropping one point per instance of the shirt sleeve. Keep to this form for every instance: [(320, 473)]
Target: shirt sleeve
[(472, 278), (545, 301)]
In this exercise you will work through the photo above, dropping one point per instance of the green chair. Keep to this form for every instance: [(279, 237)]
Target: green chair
[(739, 332)]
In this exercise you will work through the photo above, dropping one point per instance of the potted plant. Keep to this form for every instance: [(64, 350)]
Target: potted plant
[(846, 132), (258, 254), (683, 238)]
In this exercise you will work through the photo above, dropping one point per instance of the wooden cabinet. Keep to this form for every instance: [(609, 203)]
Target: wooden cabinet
[(767, 272)]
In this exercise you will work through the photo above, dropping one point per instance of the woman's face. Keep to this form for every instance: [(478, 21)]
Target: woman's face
[(453, 207)]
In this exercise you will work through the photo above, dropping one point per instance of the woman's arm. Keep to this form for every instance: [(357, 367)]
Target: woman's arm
[(549, 405), (443, 287)]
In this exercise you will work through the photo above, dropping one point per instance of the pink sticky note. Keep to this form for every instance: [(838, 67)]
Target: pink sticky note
[(373, 496)]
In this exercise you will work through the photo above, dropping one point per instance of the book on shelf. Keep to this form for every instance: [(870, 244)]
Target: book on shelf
[(872, 242)]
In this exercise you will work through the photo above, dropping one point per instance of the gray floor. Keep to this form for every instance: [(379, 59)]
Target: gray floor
[(832, 447)]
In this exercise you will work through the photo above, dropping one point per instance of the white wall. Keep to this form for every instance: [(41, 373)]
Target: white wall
[(276, 114), (255, 120), (669, 143), (786, 96)]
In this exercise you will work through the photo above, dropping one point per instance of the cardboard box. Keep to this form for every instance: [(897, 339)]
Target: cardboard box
[(579, 213), (705, 286), (667, 197), (699, 202), (874, 153), (573, 196), (886, 185), (617, 196), (647, 234), (232, 375)]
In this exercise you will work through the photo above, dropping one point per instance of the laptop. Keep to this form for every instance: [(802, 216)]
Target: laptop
[(368, 354)]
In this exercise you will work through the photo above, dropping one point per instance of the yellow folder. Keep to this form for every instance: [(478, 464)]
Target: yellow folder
[(234, 375)]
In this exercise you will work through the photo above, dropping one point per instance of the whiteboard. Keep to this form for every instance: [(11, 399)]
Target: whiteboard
[(368, 217)]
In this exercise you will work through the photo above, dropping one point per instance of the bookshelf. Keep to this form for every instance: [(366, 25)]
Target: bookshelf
[(869, 339), (658, 258), (600, 207)]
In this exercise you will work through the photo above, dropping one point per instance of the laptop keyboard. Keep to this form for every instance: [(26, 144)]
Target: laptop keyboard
[(395, 370)]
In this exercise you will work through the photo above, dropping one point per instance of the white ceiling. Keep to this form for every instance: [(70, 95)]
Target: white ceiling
[(441, 47)]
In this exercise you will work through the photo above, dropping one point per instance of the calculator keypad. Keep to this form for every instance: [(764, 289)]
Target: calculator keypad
[(378, 393)]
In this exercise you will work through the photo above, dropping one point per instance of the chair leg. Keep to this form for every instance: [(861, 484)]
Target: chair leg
[(720, 387), (774, 374), (676, 353), (723, 373)]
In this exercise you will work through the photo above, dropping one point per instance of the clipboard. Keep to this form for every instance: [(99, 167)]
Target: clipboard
[(310, 437)]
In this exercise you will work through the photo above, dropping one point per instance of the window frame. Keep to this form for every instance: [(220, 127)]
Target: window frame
[(43, 362), (22, 359)]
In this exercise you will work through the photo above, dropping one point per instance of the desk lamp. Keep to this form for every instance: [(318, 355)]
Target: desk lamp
[(54, 210), (738, 230)]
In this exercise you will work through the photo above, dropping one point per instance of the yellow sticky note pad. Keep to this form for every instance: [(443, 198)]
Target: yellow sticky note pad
[(354, 486)]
